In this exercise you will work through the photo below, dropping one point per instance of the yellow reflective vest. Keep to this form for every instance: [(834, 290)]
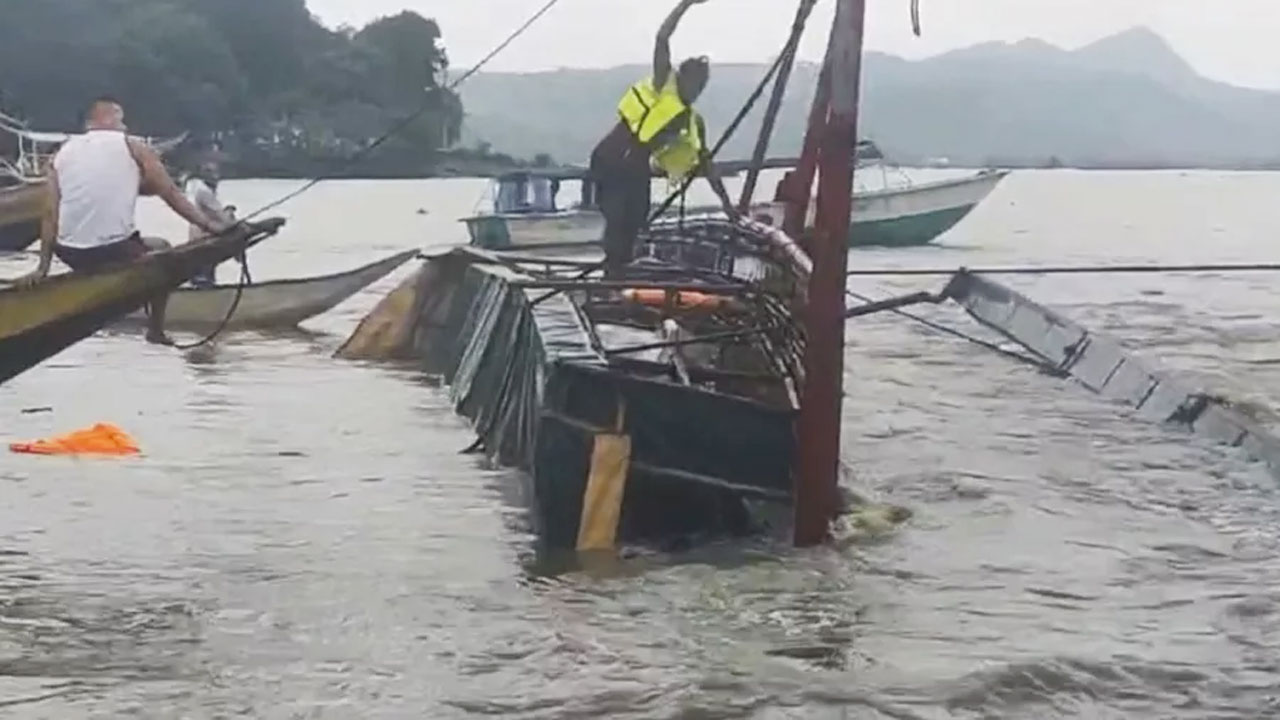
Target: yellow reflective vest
[(648, 111)]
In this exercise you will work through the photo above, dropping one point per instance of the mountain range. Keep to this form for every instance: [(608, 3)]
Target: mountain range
[(1128, 100)]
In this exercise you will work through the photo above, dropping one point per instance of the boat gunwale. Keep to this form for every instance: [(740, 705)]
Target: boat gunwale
[(560, 214), (407, 255), (996, 176)]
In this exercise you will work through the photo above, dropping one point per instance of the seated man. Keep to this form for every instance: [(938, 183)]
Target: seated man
[(202, 191), (94, 185)]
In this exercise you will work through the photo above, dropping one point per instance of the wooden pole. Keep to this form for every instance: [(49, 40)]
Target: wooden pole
[(818, 428)]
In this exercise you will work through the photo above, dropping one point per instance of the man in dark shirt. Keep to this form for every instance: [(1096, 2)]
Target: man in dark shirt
[(620, 163)]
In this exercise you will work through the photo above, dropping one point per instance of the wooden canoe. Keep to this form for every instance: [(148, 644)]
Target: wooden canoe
[(39, 322), (20, 208), (274, 304)]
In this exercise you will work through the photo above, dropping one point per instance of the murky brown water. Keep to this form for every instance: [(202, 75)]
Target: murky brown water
[(302, 538)]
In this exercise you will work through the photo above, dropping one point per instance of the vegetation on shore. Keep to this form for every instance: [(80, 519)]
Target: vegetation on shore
[(277, 91)]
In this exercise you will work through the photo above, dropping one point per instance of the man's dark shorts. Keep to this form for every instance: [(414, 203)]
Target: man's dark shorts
[(120, 252)]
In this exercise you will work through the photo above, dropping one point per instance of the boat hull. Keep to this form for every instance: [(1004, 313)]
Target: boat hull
[(502, 232), (909, 230), (39, 322), (20, 209), (536, 375), (917, 215), (276, 304)]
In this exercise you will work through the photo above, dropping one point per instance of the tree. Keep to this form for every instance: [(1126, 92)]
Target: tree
[(262, 74)]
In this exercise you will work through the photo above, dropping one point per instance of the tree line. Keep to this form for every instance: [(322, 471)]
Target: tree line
[(276, 90)]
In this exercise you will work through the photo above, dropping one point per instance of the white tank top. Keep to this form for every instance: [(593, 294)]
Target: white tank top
[(98, 180)]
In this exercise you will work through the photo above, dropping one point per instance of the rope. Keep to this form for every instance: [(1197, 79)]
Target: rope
[(1073, 269), (426, 106), (245, 280)]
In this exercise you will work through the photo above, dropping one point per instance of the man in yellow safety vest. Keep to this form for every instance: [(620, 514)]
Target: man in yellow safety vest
[(657, 125)]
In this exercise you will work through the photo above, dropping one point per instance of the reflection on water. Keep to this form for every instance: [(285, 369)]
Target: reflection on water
[(303, 538)]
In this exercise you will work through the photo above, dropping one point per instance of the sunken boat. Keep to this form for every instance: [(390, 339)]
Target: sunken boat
[(41, 321), (654, 406)]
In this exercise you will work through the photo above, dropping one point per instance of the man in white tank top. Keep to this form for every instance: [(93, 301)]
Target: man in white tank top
[(94, 186), (201, 188)]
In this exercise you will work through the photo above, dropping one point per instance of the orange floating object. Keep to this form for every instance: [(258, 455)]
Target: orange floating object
[(685, 299), (101, 439)]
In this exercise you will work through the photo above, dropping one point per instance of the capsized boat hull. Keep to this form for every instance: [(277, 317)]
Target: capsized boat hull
[(274, 304), (39, 322), (616, 448), (20, 210)]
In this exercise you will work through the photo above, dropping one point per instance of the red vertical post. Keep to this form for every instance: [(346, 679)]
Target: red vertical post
[(818, 428), (796, 186)]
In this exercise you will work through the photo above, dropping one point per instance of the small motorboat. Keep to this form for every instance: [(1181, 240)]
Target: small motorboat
[(525, 214)]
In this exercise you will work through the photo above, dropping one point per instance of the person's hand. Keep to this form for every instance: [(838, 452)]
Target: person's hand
[(31, 278)]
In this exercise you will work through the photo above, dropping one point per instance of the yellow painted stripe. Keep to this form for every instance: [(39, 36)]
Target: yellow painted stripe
[(388, 329), (63, 296), (602, 501)]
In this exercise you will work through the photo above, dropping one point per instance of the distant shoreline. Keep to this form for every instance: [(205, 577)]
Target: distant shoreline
[(488, 172)]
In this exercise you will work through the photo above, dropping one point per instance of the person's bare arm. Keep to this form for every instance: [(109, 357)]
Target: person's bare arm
[(156, 181), (662, 49), (48, 230)]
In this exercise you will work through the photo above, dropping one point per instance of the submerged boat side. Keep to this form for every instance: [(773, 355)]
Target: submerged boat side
[(574, 388), (1103, 366)]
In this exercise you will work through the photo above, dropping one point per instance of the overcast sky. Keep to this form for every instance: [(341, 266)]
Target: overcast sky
[(1231, 40)]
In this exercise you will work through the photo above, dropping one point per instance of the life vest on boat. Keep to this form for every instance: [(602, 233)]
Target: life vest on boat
[(683, 299), (648, 112)]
